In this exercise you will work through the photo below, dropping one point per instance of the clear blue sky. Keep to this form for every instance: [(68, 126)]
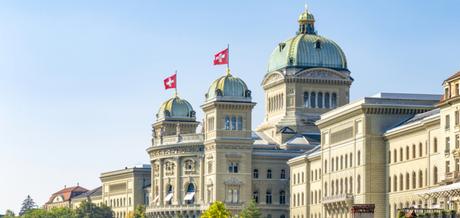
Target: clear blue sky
[(81, 81)]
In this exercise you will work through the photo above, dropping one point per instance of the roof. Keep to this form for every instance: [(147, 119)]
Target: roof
[(176, 109), (68, 193), (228, 88), (91, 193), (455, 75), (418, 118)]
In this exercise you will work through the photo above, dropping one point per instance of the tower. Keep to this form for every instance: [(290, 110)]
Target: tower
[(228, 142), (307, 76)]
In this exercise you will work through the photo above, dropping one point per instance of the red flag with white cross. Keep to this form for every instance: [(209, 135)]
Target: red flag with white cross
[(221, 57), (170, 82)]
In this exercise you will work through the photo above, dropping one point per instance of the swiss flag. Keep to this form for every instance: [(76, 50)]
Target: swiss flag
[(221, 57), (170, 82)]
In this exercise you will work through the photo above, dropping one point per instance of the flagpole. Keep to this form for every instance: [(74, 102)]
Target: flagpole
[(228, 59), (175, 88)]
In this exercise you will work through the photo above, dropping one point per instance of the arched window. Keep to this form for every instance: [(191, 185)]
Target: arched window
[(358, 188), (359, 158), (351, 159), (282, 197), (240, 123), (233, 123), (389, 157), (327, 100), (413, 151), (351, 184), (420, 178), (313, 100), (400, 154), (334, 100), (414, 180), (435, 175), (190, 195), (325, 189), (346, 161), (306, 102), (227, 123), (283, 174), (255, 174), (407, 181), (395, 155), (341, 162), (268, 197), (420, 149), (336, 163), (325, 166), (269, 174), (435, 145), (169, 194), (407, 152), (320, 100), (332, 187), (337, 187), (389, 184), (332, 165), (395, 183), (346, 186), (401, 182), (341, 186)]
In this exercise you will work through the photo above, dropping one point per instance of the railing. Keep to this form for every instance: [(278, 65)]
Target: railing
[(174, 139), (337, 198)]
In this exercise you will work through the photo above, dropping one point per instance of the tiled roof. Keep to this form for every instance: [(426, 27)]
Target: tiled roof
[(455, 75), (68, 193), (91, 193)]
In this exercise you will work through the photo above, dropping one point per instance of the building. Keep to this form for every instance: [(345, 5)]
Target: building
[(63, 198), (227, 160), (93, 196)]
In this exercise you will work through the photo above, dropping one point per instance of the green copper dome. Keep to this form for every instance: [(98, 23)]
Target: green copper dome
[(228, 88), (307, 49), (176, 109)]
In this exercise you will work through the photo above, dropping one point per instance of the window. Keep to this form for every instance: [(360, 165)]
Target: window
[(447, 150), (395, 183), (283, 174), (414, 180), (233, 123), (359, 158), (334, 100), (313, 100), (269, 174), (190, 194), (255, 174), (447, 124), (227, 123), (346, 161), (389, 156), (351, 160), (268, 197), (457, 118), (232, 195), (282, 197), (358, 188), (255, 196), (401, 182), (457, 141), (332, 165), (435, 144), (395, 155), (407, 152), (407, 181), (413, 151), (400, 154), (320, 100), (457, 165), (447, 166), (325, 166), (420, 149), (306, 102), (233, 167), (188, 165), (327, 100), (240, 123), (435, 175), (341, 161), (420, 178)]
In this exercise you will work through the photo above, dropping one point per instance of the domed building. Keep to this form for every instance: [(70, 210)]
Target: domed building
[(227, 160)]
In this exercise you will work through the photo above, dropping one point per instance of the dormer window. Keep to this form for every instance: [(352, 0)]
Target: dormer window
[(281, 46), (318, 44)]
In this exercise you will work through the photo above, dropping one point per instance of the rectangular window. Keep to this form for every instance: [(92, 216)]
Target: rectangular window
[(457, 141), (457, 118), (447, 166), (447, 150), (447, 126)]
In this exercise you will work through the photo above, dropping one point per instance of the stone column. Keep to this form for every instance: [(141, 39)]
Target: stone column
[(202, 180), (178, 187), (160, 174)]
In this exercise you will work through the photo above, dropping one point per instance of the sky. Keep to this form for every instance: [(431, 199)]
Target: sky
[(81, 81)]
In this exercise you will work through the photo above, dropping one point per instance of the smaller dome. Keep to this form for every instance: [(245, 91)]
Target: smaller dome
[(176, 109), (228, 88), (306, 16)]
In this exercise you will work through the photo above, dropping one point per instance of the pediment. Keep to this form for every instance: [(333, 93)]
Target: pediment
[(321, 73), (273, 77)]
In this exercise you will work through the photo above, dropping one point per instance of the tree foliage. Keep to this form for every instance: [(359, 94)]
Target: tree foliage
[(139, 212), (9, 214), (27, 204), (216, 210), (89, 210), (251, 211)]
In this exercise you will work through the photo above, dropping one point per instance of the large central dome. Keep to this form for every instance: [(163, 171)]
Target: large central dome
[(307, 49)]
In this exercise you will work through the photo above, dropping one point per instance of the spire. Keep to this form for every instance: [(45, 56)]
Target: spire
[(306, 22)]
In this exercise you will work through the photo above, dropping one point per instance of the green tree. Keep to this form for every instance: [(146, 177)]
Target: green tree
[(36, 213), (9, 214), (139, 212), (27, 204), (251, 210), (90, 210), (216, 210)]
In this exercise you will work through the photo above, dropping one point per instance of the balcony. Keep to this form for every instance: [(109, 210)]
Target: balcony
[(338, 200), (451, 177)]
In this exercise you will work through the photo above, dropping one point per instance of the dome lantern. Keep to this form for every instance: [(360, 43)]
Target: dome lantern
[(306, 22)]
